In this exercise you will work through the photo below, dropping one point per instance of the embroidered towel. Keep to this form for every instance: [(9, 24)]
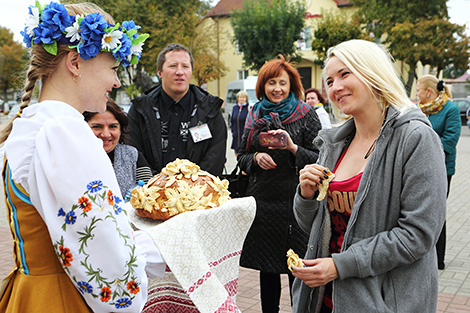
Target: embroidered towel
[(202, 249)]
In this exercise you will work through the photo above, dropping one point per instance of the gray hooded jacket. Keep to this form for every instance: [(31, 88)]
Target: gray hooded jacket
[(387, 261)]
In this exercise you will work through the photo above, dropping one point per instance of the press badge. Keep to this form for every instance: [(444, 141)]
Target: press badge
[(200, 133)]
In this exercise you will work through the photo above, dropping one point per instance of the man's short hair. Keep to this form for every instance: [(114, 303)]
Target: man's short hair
[(172, 47)]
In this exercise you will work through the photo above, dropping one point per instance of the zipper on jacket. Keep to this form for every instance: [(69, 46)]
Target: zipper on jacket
[(238, 126)]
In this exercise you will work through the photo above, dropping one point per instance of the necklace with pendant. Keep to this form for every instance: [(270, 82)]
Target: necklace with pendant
[(370, 150)]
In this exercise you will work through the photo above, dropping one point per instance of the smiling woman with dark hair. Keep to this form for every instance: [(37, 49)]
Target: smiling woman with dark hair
[(129, 164)]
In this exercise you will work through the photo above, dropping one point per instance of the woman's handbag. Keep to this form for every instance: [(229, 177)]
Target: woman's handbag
[(238, 182)]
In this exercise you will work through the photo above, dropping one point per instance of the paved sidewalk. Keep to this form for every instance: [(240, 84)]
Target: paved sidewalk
[(454, 281)]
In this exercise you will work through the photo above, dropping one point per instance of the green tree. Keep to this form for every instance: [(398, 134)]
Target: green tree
[(415, 31), (435, 42), (13, 59), (443, 43), (332, 29), (263, 29), (379, 16)]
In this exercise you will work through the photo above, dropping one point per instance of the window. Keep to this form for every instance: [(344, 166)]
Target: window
[(242, 74), (232, 95), (305, 41), (237, 48)]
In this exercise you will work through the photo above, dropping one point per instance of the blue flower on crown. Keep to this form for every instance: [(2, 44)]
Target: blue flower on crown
[(92, 27), (89, 35), (26, 37), (88, 49), (55, 17), (46, 35), (129, 25), (123, 51)]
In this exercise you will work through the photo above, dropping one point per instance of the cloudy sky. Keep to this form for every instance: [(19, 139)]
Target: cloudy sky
[(13, 13)]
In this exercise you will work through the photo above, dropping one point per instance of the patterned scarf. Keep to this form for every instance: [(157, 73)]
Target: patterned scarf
[(274, 115), (434, 106)]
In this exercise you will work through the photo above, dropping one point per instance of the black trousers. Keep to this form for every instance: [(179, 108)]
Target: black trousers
[(441, 242), (270, 289)]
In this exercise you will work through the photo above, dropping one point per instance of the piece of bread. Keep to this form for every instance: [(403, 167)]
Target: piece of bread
[(293, 260), (180, 187), (323, 187)]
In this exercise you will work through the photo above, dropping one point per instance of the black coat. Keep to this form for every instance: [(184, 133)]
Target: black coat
[(145, 131), (274, 230)]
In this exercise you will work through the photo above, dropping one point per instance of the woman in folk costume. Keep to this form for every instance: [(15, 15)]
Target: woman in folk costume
[(75, 250), (444, 115)]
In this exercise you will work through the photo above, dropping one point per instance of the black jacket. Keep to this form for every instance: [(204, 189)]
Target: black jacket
[(145, 131), (275, 230)]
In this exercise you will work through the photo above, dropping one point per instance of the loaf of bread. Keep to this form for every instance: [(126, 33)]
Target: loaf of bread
[(180, 187)]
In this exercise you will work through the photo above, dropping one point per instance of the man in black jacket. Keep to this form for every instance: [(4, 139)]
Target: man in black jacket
[(178, 119)]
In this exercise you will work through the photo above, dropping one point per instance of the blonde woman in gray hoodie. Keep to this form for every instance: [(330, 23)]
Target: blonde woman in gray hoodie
[(371, 246)]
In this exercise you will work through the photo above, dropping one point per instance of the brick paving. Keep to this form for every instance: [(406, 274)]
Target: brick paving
[(454, 281)]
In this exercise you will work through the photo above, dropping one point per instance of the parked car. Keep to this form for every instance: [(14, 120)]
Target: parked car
[(463, 104), (126, 106), (14, 108)]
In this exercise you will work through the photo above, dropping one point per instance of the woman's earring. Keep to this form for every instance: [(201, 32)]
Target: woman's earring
[(74, 77), (427, 96)]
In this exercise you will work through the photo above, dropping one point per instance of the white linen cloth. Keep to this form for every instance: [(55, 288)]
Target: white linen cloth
[(55, 156), (202, 249)]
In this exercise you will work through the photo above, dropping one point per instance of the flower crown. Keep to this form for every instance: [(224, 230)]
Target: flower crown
[(89, 34)]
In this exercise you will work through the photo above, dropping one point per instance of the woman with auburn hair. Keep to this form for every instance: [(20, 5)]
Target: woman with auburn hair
[(372, 237), (273, 173), (435, 101), (75, 250)]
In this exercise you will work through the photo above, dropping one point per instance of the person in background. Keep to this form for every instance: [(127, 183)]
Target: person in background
[(178, 119), (274, 174), (237, 120), (75, 250), (372, 237), (129, 164), (435, 101), (315, 99), (468, 117)]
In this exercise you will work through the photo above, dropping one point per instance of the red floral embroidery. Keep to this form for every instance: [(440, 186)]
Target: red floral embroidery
[(65, 256), (105, 294), (84, 204), (133, 287), (110, 197)]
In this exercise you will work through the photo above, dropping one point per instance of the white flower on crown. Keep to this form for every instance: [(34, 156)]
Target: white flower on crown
[(74, 30), (111, 40), (136, 50), (32, 21)]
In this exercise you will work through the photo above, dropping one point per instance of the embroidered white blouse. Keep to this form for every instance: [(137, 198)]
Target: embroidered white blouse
[(55, 156)]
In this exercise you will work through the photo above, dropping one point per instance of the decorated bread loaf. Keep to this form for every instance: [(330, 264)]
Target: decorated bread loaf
[(180, 187)]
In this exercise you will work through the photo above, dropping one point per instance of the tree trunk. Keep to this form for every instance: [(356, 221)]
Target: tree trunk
[(411, 78)]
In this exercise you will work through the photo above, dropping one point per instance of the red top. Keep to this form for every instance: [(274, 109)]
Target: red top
[(341, 196)]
